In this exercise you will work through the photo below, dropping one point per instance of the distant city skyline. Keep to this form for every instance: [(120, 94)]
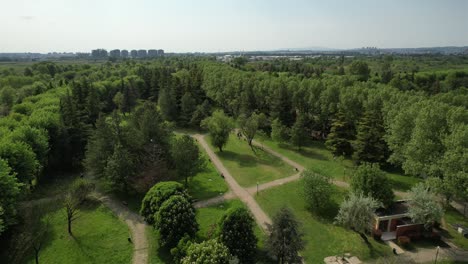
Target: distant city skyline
[(229, 25)]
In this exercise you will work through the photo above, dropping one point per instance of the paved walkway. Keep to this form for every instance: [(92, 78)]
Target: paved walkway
[(260, 216)]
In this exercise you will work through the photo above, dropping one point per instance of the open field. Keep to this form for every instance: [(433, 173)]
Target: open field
[(322, 237), (99, 237), (249, 167)]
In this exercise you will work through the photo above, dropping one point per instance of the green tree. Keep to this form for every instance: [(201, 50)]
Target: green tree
[(20, 158), (120, 168), (219, 126), (285, 227), (157, 195), (356, 213), (423, 206), (371, 181), (360, 69), (175, 219), (340, 137), (369, 145), (236, 230), (9, 194), (298, 132), (207, 252), (187, 157), (249, 126), (168, 104), (317, 191), (187, 108), (279, 132), (99, 148)]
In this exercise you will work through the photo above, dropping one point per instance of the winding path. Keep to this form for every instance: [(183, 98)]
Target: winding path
[(260, 216), (136, 225)]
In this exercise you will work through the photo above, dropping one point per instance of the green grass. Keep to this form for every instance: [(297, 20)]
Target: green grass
[(452, 216), (249, 167), (322, 237), (316, 157), (99, 237), (156, 254), (208, 183)]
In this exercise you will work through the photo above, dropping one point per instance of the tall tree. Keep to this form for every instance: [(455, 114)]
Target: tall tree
[(9, 194), (369, 145), (279, 132), (299, 132), (120, 168), (360, 69), (187, 157), (371, 181), (237, 233), (285, 227), (249, 126), (219, 126), (340, 137)]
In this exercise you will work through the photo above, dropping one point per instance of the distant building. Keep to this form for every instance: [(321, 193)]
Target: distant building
[(142, 53), (99, 53), (115, 53), (134, 53), (152, 53), (160, 52), (124, 54)]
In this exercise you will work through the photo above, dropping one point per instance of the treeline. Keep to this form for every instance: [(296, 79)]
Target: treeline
[(116, 118)]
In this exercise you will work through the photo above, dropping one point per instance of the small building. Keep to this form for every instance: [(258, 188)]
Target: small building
[(142, 53), (152, 53), (115, 53), (133, 53), (394, 222)]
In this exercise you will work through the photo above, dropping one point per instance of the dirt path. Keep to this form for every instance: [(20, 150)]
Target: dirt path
[(260, 216), (136, 225), (214, 200)]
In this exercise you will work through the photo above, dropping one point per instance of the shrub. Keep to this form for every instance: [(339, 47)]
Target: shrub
[(404, 241)]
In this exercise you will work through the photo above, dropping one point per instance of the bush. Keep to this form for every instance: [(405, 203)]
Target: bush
[(81, 188), (157, 195), (377, 234)]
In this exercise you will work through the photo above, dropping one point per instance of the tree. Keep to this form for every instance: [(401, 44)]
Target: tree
[(249, 126), (120, 168), (157, 195), (340, 137), (81, 189), (174, 219), (9, 194), (236, 230), (219, 126), (187, 157), (371, 181), (369, 145), (71, 204), (285, 227), (207, 252), (37, 228), (423, 206), (317, 191), (360, 69), (20, 158), (298, 132), (187, 108), (356, 213), (167, 103), (279, 132)]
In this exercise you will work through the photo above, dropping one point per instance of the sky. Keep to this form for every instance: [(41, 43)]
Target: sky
[(229, 25)]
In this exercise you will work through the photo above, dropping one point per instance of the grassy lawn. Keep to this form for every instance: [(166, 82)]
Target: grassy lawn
[(316, 157), (452, 216), (208, 183), (99, 237), (322, 237), (249, 167)]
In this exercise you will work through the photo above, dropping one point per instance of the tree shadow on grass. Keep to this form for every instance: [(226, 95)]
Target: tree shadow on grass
[(306, 152), (243, 160)]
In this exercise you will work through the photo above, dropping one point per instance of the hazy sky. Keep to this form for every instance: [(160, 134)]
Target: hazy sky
[(221, 25)]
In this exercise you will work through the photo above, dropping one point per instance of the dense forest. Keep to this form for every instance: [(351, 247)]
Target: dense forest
[(115, 120)]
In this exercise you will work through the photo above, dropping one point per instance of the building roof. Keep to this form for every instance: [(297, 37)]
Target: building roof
[(397, 208)]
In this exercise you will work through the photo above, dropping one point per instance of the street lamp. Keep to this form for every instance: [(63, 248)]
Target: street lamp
[(437, 254)]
